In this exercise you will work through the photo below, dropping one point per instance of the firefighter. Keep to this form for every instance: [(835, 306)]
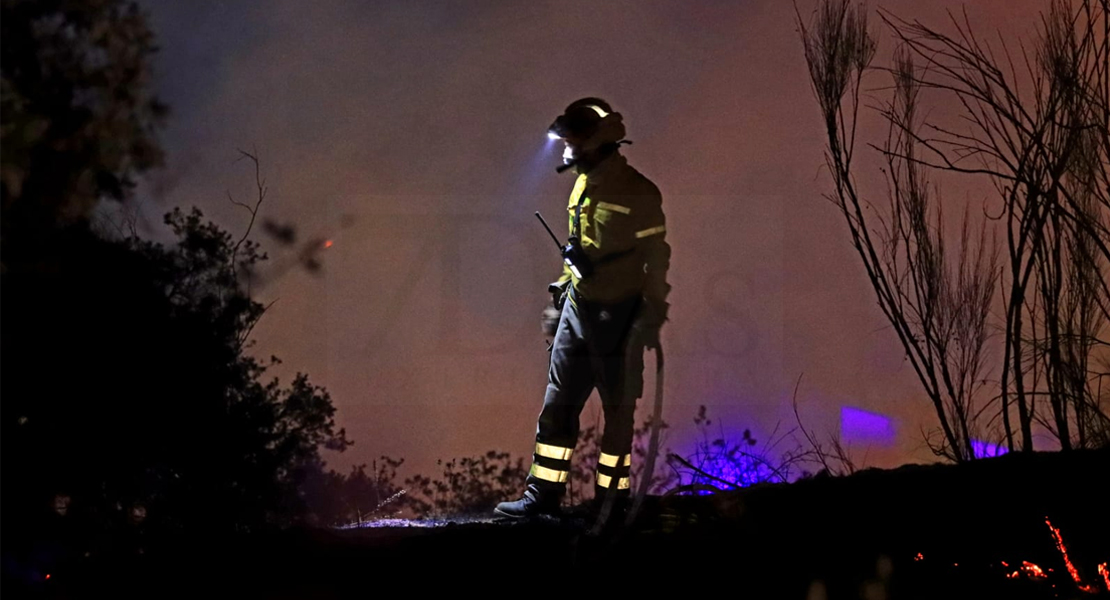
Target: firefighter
[(602, 320)]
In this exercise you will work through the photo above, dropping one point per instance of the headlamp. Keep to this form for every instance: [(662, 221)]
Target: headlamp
[(580, 121)]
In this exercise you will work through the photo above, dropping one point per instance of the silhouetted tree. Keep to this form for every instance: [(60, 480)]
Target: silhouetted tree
[(79, 115), (126, 379), (1042, 141), (906, 264)]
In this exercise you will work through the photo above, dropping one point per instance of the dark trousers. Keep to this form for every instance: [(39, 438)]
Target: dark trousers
[(594, 347)]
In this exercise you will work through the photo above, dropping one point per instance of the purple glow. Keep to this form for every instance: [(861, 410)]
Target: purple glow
[(736, 461), (861, 426), (983, 449), (742, 471)]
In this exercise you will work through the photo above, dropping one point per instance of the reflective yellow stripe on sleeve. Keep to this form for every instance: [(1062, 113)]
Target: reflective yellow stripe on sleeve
[(611, 460), (604, 481), (556, 452), (542, 472), (650, 231), (614, 207)]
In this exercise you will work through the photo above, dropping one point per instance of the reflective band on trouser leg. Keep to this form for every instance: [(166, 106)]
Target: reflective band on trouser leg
[(542, 472), (650, 231), (611, 460), (604, 481), (556, 452)]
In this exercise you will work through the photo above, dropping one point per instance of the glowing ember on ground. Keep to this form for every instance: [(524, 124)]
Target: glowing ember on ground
[(327, 244), (1102, 570), (918, 557), (1067, 560), (1030, 570)]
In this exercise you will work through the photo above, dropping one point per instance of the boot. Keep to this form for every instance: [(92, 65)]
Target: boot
[(534, 503), (622, 501)]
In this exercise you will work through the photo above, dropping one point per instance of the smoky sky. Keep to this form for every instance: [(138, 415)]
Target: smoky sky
[(411, 134)]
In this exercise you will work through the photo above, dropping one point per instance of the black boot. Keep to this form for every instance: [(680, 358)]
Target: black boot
[(535, 502), (621, 502)]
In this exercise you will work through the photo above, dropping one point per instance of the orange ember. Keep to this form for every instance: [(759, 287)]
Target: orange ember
[(327, 244), (1030, 570), (1067, 560)]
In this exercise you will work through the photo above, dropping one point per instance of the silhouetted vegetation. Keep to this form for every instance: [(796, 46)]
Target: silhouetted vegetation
[(131, 410), (1039, 134), (79, 116), (335, 499), (467, 485), (721, 461), (126, 383)]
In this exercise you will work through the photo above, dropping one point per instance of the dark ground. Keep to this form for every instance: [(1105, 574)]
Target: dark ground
[(940, 531)]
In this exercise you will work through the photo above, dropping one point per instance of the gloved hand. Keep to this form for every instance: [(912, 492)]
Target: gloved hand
[(559, 291), (649, 321), (648, 335), (550, 321)]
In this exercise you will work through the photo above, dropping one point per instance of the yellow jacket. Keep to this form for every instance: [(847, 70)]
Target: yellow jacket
[(622, 210)]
